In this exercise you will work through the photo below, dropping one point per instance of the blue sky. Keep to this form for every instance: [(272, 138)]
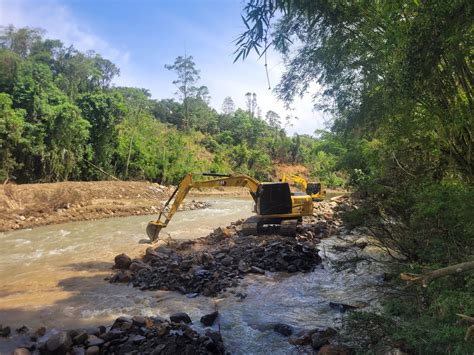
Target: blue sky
[(142, 36)]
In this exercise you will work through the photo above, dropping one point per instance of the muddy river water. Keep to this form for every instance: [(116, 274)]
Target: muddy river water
[(54, 276)]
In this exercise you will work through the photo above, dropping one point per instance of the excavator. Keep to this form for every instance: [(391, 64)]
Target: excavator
[(313, 189), (275, 205)]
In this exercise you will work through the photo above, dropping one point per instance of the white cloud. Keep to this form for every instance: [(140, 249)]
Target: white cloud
[(59, 23)]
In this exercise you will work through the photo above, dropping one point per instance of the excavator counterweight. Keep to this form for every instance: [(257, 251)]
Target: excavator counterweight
[(274, 203)]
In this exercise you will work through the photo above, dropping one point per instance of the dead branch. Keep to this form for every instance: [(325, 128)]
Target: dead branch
[(426, 278), (466, 318), (470, 330)]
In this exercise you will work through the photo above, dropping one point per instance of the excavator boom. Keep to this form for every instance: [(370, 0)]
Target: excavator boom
[(314, 189), (154, 227)]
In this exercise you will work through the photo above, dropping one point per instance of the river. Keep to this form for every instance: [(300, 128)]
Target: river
[(54, 276)]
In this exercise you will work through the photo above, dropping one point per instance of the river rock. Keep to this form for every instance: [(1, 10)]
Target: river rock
[(317, 341), (22, 330), (122, 261), (21, 351), (59, 343), (164, 250), (209, 319), (139, 321), (227, 261), (5, 331), (150, 254), (334, 350), (215, 263), (302, 339), (138, 265), (93, 350), (158, 337), (257, 270), (77, 350), (283, 329), (341, 307), (120, 320), (93, 340), (80, 338), (322, 337), (41, 331), (180, 317)]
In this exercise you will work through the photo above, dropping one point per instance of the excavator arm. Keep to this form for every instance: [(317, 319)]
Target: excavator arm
[(297, 180), (154, 227), (313, 189)]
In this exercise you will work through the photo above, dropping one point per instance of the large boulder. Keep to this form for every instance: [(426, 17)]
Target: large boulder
[(180, 317), (122, 261), (5, 331), (59, 343), (283, 329), (209, 319), (21, 351)]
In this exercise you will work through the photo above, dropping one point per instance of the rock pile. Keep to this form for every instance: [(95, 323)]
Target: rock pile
[(194, 205), (211, 264), (136, 335)]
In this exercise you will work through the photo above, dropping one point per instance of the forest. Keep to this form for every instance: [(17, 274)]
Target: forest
[(396, 77), (62, 119)]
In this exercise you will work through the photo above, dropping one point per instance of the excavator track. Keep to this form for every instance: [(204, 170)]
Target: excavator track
[(288, 227), (251, 226)]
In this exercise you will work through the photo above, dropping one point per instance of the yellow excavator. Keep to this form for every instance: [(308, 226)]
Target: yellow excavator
[(313, 189), (275, 205)]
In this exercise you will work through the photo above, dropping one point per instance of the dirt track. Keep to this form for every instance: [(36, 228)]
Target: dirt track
[(31, 205)]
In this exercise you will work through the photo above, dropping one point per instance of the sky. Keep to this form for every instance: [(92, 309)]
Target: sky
[(141, 36)]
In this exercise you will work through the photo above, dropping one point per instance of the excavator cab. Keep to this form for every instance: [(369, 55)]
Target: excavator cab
[(313, 188), (274, 198)]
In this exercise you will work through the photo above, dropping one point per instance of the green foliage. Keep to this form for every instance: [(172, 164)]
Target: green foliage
[(193, 97), (442, 221), (61, 116), (103, 110), (67, 139), (11, 129), (396, 77), (429, 322), (366, 329)]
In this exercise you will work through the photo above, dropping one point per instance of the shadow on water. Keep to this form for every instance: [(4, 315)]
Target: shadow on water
[(300, 300)]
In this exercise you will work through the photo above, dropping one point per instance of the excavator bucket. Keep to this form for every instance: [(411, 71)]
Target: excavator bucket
[(153, 230)]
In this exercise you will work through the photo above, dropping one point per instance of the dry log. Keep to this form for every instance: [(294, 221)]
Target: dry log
[(426, 278)]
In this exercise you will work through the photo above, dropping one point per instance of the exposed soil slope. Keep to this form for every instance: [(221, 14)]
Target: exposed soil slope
[(31, 205)]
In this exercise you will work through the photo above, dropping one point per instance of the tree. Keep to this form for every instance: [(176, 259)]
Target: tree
[(19, 41), (373, 57), (251, 103), (103, 111), (11, 128), (228, 106), (396, 78), (273, 119), (188, 77), (67, 142)]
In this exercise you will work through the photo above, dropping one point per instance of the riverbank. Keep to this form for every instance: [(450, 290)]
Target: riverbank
[(33, 205)]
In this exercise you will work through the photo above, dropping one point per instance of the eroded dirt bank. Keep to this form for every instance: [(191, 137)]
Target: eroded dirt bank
[(32, 205)]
